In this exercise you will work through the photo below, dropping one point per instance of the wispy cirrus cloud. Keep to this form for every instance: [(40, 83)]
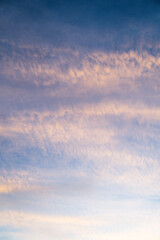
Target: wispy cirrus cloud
[(65, 68), (53, 225)]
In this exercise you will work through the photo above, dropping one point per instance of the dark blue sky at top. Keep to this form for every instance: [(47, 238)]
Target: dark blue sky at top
[(110, 25)]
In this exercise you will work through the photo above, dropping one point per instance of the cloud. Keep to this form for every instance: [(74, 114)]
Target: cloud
[(40, 225), (37, 181), (105, 139), (79, 121), (65, 68)]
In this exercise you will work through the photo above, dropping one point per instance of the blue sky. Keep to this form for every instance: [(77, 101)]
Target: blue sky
[(79, 120)]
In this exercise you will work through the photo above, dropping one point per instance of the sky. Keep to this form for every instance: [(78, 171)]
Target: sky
[(79, 120)]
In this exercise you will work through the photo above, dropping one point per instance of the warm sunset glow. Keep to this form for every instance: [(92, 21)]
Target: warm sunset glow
[(79, 120)]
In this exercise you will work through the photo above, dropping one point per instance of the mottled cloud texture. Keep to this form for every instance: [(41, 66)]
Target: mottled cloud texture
[(79, 120)]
